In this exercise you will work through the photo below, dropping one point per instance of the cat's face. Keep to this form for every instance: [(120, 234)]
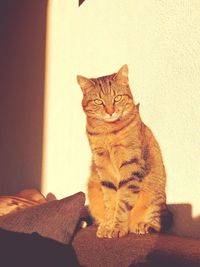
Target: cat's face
[(107, 98)]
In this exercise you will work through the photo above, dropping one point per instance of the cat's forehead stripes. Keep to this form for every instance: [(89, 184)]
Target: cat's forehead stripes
[(104, 85)]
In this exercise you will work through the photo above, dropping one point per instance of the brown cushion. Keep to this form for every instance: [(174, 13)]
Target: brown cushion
[(24, 199), (56, 219), (33, 250), (153, 250)]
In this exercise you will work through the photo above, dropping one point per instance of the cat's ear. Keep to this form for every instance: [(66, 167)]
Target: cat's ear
[(85, 83), (122, 75), (137, 107)]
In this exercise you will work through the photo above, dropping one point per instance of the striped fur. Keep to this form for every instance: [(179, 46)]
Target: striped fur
[(126, 187)]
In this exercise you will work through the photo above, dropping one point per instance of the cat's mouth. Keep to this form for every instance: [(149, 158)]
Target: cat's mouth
[(112, 118)]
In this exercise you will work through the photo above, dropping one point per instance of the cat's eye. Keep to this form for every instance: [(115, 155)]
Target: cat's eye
[(118, 98), (98, 102)]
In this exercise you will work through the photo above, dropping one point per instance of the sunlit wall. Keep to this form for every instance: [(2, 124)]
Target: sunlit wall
[(160, 41)]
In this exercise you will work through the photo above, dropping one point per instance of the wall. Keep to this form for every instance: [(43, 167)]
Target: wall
[(160, 41), (22, 64)]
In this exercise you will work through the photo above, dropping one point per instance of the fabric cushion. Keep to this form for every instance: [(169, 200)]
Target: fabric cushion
[(152, 250), (56, 219), (24, 199), (32, 250)]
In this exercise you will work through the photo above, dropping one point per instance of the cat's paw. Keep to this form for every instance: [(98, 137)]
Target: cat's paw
[(119, 231), (105, 231), (140, 228), (143, 228)]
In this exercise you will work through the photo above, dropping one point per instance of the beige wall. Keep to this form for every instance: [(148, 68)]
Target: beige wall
[(22, 64), (160, 41)]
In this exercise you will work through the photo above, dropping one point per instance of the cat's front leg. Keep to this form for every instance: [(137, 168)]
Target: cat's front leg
[(138, 222), (95, 198), (105, 227), (120, 226), (109, 186), (131, 170), (150, 213)]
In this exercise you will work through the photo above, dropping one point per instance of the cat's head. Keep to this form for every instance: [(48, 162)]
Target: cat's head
[(107, 98)]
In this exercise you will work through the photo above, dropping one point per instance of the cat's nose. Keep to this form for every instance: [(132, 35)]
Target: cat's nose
[(110, 110)]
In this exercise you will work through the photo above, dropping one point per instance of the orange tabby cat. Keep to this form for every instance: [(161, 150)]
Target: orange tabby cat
[(126, 188)]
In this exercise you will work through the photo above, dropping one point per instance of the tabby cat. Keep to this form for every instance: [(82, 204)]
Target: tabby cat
[(126, 188)]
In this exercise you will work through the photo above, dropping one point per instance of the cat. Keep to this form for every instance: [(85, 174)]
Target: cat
[(126, 187)]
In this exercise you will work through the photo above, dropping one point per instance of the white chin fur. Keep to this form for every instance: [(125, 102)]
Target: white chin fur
[(111, 119)]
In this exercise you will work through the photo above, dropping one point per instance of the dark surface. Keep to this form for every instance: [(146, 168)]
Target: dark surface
[(25, 250), (152, 250)]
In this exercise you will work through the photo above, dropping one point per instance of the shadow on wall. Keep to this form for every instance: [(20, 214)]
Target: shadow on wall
[(22, 64), (184, 224)]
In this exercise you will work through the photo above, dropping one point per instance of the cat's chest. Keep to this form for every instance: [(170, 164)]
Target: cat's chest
[(110, 148), (108, 142), (125, 139)]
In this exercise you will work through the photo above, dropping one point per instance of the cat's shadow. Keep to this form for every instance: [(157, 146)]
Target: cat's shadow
[(184, 224)]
